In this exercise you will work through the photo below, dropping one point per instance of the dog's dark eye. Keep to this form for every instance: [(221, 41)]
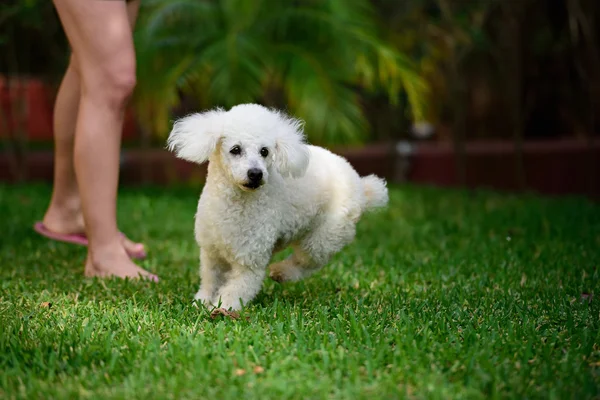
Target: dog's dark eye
[(235, 150), (264, 152)]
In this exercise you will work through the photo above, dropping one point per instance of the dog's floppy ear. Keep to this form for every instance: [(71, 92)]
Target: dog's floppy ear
[(195, 137), (291, 152)]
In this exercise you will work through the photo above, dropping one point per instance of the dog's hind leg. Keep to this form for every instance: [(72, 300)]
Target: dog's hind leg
[(314, 250)]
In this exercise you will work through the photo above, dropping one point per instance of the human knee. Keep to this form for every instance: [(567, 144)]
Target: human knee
[(121, 81), (115, 84), (73, 66)]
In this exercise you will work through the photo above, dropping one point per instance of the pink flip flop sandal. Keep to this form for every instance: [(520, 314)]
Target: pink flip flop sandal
[(74, 238)]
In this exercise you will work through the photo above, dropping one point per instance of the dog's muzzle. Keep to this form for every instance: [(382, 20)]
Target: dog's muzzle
[(255, 176)]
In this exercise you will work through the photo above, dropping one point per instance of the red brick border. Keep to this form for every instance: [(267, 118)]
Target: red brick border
[(560, 167)]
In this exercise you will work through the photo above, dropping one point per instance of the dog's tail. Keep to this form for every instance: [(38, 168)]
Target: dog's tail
[(376, 192)]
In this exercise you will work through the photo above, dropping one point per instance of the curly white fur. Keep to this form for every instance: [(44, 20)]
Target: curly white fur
[(307, 198)]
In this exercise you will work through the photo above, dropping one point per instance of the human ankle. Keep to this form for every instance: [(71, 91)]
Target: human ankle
[(68, 204), (101, 250)]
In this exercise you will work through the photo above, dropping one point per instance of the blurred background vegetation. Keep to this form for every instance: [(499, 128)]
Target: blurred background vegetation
[(357, 71)]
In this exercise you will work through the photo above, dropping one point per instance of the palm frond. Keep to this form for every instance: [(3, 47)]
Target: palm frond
[(233, 51)]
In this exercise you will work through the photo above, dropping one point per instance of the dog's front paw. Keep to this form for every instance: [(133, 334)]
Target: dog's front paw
[(229, 300), (204, 297)]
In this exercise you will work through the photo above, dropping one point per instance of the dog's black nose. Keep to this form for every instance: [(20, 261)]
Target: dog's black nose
[(255, 174)]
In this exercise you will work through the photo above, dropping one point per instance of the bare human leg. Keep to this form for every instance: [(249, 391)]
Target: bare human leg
[(64, 214), (100, 35)]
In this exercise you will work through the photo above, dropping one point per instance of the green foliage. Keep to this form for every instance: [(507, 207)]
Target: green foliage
[(313, 58), (329, 61), (31, 40), (445, 295), (439, 35)]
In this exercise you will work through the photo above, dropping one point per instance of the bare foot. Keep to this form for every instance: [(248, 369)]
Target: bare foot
[(114, 262), (67, 218)]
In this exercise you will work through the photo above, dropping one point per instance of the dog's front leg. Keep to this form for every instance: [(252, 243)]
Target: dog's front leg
[(211, 277), (241, 286)]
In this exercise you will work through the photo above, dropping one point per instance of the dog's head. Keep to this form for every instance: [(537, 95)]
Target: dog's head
[(249, 141)]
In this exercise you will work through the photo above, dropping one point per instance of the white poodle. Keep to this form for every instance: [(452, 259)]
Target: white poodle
[(266, 189)]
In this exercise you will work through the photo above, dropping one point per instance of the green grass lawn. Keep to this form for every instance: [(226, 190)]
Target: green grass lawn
[(447, 294)]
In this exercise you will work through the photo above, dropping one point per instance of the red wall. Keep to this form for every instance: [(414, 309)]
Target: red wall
[(35, 100)]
